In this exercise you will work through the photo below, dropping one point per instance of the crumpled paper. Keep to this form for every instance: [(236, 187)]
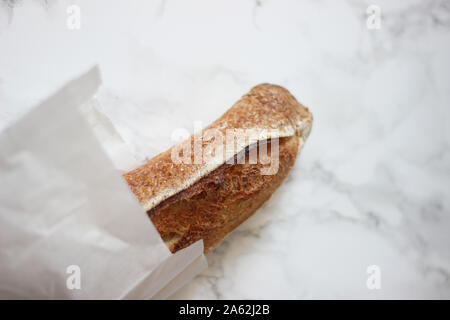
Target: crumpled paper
[(70, 228)]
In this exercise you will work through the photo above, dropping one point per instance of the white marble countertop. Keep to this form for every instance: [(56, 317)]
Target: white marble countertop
[(371, 186)]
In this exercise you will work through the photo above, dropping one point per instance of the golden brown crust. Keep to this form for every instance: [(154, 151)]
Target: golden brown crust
[(188, 202), (265, 106)]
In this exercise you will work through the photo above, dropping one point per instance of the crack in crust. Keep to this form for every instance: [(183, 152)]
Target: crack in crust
[(266, 106)]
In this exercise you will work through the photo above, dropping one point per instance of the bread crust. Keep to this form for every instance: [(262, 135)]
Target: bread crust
[(188, 202), (219, 202)]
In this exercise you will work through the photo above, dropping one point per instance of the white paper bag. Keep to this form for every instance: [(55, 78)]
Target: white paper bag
[(69, 225)]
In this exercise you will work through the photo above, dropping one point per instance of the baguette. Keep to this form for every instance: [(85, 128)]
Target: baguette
[(192, 200)]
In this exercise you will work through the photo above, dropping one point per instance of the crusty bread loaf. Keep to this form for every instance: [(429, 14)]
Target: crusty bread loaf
[(207, 200)]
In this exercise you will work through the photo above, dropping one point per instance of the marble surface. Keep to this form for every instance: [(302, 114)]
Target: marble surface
[(372, 184)]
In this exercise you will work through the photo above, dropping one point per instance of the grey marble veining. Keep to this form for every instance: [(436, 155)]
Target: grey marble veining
[(370, 187)]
